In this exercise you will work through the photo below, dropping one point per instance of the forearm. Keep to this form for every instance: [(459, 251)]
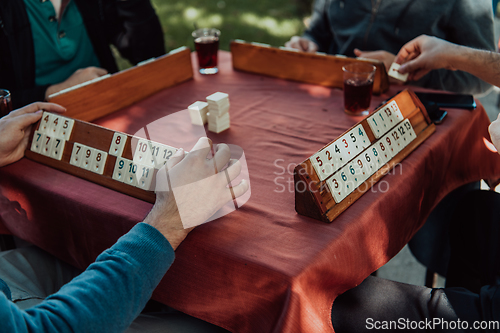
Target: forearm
[(483, 64), (107, 296)]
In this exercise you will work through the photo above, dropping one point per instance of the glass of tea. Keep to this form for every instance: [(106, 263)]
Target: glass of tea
[(358, 87), (206, 43), (5, 102)]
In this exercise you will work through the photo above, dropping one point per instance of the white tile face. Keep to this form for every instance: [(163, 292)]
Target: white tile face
[(144, 175), (341, 184), (131, 169), (393, 71), (77, 154), (362, 169), (391, 144), (87, 158), (117, 145), (323, 163), (372, 159), (99, 161), (362, 138), (55, 126), (408, 132), (384, 119), (120, 170), (161, 154), (143, 154), (47, 145), (36, 143), (383, 152), (45, 123), (65, 129), (57, 148)]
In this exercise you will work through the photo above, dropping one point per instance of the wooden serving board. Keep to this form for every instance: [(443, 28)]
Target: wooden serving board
[(97, 98), (333, 178), (285, 63)]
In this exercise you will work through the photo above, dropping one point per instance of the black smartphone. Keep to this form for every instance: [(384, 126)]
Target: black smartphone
[(459, 101), (436, 114)]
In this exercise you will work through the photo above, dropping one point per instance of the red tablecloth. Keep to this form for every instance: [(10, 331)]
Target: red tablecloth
[(263, 268)]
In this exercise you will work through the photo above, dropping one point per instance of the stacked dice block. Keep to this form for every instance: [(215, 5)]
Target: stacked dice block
[(218, 112)]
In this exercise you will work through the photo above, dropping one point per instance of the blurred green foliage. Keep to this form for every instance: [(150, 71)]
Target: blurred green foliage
[(271, 22)]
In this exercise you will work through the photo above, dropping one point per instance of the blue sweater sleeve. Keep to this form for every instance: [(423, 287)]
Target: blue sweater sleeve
[(107, 297)]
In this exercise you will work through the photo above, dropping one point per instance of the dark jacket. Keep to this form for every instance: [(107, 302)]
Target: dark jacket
[(131, 25), (340, 26)]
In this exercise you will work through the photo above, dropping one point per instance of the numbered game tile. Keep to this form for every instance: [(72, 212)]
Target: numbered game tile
[(46, 145), (120, 170), (36, 143), (99, 161), (45, 123), (117, 145), (66, 128), (131, 174), (57, 149), (77, 154), (143, 154), (145, 175), (88, 157)]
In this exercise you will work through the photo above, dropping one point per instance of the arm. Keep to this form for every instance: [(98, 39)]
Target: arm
[(425, 53), (318, 36), (112, 291), (470, 24), (139, 36)]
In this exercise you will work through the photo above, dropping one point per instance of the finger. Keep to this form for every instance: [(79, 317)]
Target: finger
[(201, 148), (176, 158), (241, 188), (358, 52), (25, 120), (304, 44), (34, 107), (100, 71), (234, 169), (222, 156), (412, 47), (313, 47)]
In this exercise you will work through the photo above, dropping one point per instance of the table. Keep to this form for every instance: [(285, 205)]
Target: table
[(263, 268)]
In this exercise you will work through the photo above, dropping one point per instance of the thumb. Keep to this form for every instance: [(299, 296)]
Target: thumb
[(176, 158), (410, 66), (358, 52)]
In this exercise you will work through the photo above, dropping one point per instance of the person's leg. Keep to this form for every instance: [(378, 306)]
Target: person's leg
[(172, 322), (377, 302), (475, 242), (32, 274)]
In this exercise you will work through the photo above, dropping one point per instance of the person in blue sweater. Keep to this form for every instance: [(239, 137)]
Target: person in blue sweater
[(112, 291)]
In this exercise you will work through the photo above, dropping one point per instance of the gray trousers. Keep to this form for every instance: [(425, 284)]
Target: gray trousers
[(32, 274)]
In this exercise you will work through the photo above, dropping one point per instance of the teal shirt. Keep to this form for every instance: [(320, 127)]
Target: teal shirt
[(61, 47)]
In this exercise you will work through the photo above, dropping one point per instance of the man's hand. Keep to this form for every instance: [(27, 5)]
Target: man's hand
[(15, 130), (80, 76), (189, 190), (495, 133), (423, 54), (386, 57), (302, 44)]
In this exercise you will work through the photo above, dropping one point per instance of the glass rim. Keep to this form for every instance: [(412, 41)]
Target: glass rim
[(357, 64), (205, 32), (4, 93)]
